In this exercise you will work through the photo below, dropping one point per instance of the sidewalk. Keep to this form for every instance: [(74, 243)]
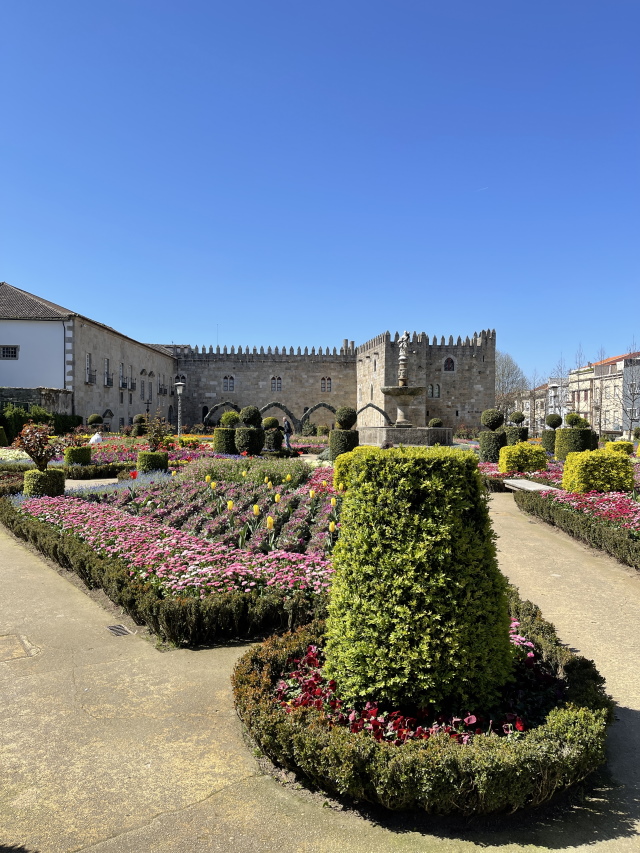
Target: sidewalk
[(107, 744)]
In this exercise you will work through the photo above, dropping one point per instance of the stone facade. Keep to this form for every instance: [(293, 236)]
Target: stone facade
[(52, 399)]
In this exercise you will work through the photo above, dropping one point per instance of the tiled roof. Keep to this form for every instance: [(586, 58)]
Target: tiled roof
[(615, 358), (16, 304)]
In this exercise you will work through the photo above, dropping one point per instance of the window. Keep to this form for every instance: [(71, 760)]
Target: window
[(120, 423), (325, 383), (9, 351), (228, 383), (449, 364), (430, 391), (436, 391), (121, 399), (130, 399), (276, 383), (142, 389)]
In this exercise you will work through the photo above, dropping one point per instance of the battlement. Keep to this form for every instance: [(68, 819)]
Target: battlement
[(486, 338), (188, 353)]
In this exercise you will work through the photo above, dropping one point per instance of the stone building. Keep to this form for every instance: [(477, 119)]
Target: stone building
[(43, 345)]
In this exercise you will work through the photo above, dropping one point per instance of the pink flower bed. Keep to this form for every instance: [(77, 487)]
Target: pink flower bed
[(178, 562), (552, 475), (617, 508)]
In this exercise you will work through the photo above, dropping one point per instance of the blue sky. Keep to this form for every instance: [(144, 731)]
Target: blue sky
[(282, 172)]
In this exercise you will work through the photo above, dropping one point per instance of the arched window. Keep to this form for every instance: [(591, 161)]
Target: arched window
[(328, 383), (228, 383), (276, 383), (436, 391), (449, 364), (325, 383), (430, 391)]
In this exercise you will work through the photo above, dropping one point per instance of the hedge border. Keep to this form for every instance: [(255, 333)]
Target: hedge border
[(184, 621), (438, 775), (612, 540)]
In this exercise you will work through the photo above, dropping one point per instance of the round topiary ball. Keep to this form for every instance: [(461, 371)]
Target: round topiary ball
[(553, 421), (345, 417), (573, 419), (230, 419), (139, 419), (492, 418), (516, 417), (250, 416), (270, 423), (436, 422), (92, 420)]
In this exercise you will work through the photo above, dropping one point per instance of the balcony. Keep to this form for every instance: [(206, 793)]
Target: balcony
[(90, 377), (163, 389), (124, 382), (132, 384), (108, 380)]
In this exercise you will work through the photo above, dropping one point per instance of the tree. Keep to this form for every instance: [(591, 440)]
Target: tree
[(511, 382), (34, 439)]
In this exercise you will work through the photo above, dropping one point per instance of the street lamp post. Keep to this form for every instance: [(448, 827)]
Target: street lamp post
[(179, 389)]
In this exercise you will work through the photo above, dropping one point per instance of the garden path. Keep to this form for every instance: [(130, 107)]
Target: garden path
[(109, 745)]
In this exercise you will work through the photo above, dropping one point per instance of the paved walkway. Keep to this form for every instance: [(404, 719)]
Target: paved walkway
[(107, 744)]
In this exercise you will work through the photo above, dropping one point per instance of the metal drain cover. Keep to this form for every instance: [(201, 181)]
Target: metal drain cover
[(118, 630)]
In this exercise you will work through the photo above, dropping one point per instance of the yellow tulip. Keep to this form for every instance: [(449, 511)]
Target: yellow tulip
[(269, 522), (312, 493), (270, 484), (277, 498), (213, 485), (332, 527), (244, 473), (256, 510), (341, 487), (207, 479), (333, 501), (229, 504), (266, 479), (173, 473), (288, 478), (324, 482)]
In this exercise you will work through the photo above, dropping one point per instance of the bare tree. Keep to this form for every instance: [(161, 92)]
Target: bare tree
[(558, 395), (628, 391), (510, 382)]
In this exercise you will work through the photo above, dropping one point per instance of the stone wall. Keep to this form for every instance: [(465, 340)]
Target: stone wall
[(56, 400)]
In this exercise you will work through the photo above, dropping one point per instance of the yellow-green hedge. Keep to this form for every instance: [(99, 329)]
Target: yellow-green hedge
[(597, 471), (522, 457), (342, 465), (619, 447)]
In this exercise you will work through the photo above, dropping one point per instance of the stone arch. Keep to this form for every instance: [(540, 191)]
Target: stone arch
[(317, 406), (295, 423), (215, 408), (378, 409)]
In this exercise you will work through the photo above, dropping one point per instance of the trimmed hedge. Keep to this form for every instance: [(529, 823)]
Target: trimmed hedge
[(95, 419), (346, 417), (549, 440), (152, 460), (490, 444), (273, 438), (3, 437), (438, 775), (224, 440), (592, 531), (251, 417), (250, 439), (417, 610), (342, 441), (77, 455), (516, 434), (436, 422), (185, 621), (619, 447), (572, 440), (492, 419), (39, 483), (97, 472), (230, 419), (522, 457), (597, 471), (343, 465)]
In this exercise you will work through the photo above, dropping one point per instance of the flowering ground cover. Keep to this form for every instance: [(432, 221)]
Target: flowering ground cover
[(551, 476), (175, 562), (616, 509)]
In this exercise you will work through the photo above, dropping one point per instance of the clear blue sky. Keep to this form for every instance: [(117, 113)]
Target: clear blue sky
[(293, 173)]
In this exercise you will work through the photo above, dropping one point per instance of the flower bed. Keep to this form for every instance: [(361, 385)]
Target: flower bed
[(443, 767)]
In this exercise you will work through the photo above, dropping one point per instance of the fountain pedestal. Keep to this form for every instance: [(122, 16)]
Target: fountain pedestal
[(403, 431)]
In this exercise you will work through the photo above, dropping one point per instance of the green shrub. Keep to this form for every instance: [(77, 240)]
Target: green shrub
[(65, 423), (224, 440), (492, 419), (250, 470), (620, 447), (39, 483), (308, 428), (595, 440), (517, 418), (77, 455), (140, 419), (323, 429), (270, 423), (251, 417), (571, 441), (439, 776), (342, 441), (549, 440), (597, 471), (230, 419), (490, 444), (152, 460), (13, 419), (436, 422), (343, 465), (576, 421), (273, 438), (249, 440), (636, 433), (616, 541), (522, 457), (3, 437), (516, 434), (418, 611), (97, 472), (553, 421), (346, 417), (40, 415), (93, 420)]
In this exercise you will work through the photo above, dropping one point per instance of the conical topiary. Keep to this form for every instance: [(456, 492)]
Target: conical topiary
[(418, 610)]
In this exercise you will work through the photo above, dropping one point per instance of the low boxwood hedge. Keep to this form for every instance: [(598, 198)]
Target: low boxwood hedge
[(97, 472), (185, 621), (152, 460), (440, 776), (342, 441), (594, 532), (39, 483), (77, 455), (224, 440)]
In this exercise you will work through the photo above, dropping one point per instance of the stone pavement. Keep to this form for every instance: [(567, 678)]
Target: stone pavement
[(107, 744)]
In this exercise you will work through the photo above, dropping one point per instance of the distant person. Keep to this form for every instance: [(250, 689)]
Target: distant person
[(288, 432), (96, 438)]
